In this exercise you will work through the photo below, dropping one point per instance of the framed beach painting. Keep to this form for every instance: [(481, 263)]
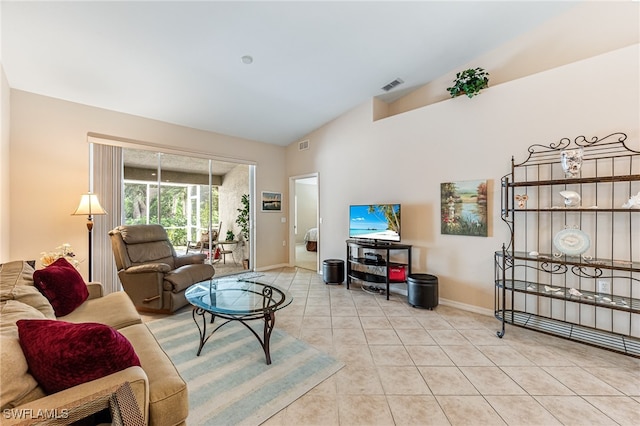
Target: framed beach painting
[(271, 201), (463, 208)]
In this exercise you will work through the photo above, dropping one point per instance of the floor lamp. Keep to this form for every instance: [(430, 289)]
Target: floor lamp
[(89, 206)]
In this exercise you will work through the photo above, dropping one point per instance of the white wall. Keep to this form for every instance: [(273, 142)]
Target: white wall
[(49, 171), (5, 194), (566, 38), (234, 184), (404, 158)]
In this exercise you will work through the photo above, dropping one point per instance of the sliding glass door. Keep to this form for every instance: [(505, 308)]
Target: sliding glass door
[(174, 191), (188, 196)]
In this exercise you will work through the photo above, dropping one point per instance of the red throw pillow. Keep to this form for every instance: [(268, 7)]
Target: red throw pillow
[(61, 354), (63, 285)]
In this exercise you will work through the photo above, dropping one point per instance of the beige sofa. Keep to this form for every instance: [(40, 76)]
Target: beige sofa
[(159, 390)]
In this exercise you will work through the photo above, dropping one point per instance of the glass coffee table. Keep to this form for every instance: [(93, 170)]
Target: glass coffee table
[(236, 299)]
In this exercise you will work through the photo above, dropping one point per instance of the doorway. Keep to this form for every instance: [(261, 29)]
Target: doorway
[(305, 232)]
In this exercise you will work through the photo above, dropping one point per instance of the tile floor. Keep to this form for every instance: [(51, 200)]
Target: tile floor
[(409, 366)]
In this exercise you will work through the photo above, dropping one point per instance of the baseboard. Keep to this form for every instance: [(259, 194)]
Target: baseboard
[(267, 268), (466, 307)]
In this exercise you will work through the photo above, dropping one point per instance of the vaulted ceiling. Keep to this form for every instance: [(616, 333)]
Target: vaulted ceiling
[(181, 62)]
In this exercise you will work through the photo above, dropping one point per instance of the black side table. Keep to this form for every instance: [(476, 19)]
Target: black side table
[(333, 271), (422, 290)]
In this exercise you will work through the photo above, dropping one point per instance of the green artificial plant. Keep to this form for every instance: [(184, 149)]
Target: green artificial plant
[(243, 222), (243, 217), (469, 82)]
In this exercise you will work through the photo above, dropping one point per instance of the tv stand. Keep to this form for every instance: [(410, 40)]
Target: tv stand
[(376, 272)]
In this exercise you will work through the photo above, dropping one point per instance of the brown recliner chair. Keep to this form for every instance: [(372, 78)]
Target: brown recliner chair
[(151, 273)]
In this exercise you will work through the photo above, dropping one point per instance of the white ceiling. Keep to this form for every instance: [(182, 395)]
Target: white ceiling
[(180, 62)]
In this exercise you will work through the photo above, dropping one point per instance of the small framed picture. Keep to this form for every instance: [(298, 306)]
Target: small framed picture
[(271, 201)]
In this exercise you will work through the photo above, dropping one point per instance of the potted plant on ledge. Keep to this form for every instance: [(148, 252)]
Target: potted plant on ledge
[(469, 82)]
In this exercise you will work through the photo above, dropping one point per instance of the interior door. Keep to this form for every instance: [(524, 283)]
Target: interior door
[(305, 231)]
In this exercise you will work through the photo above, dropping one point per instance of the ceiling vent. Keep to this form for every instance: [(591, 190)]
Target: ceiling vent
[(304, 145), (394, 83)]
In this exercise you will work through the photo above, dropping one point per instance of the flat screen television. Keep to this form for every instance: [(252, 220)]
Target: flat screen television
[(376, 222)]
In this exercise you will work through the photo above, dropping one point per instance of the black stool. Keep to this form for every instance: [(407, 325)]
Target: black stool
[(422, 290), (333, 271)]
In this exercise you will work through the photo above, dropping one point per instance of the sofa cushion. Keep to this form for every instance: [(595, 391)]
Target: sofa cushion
[(18, 386), (62, 285), (168, 400), (16, 283), (62, 354), (114, 309)]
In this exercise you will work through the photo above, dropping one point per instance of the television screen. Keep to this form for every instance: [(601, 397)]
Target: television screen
[(375, 222)]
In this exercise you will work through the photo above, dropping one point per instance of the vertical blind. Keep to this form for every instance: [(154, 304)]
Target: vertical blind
[(107, 181)]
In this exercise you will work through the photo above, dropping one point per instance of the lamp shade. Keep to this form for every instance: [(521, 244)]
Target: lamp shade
[(89, 205)]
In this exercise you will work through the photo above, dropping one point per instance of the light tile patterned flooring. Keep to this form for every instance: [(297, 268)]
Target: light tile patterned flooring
[(411, 366)]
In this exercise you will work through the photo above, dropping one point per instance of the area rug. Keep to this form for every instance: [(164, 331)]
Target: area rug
[(230, 382)]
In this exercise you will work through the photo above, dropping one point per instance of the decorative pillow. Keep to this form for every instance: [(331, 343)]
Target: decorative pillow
[(62, 354), (63, 285), (16, 283)]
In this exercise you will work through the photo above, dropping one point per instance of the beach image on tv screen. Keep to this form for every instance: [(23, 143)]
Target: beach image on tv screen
[(375, 221)]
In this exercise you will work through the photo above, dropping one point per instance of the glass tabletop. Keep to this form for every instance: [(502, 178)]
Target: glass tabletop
[(236, 296)]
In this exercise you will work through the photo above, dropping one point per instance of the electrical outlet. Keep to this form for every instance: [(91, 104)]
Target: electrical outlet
[(284, 243), (604, 287)]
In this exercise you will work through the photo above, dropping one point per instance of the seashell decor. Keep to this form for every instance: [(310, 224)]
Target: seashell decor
[(633, 202), (571, 198)]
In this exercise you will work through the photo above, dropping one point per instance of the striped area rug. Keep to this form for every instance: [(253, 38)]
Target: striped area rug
[(230, 383)]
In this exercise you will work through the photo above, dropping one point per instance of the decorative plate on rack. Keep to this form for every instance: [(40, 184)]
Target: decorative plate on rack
[(572, 242)]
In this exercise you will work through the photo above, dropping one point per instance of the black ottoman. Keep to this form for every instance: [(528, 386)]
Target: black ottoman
[(422, 290), (333, 271)]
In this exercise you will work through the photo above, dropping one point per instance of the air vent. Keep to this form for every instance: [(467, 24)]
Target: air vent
[(394, 83), (303, 145)]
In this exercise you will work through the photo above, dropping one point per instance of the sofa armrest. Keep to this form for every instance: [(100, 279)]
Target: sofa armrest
[(95, 290), (189, 259), (60, 405), (149, 267)]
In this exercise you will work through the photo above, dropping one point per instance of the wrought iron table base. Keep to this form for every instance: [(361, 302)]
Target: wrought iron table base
[(268, 315)]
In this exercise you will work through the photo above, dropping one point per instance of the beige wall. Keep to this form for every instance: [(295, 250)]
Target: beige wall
[(49, 171), (404, 158), (307, 209), (4, 165)]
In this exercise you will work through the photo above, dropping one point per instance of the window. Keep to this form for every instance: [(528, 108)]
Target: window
[(181, 193)]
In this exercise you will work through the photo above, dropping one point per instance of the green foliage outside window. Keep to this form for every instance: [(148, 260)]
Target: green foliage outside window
[(173, 208)]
